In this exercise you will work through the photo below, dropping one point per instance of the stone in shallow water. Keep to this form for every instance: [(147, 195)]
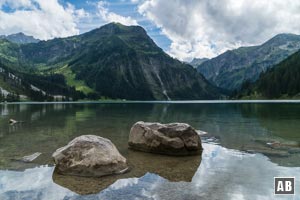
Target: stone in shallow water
[(171, 139), (269, 152), (89, 155), (294, 150), (282, 149), (31, 157)]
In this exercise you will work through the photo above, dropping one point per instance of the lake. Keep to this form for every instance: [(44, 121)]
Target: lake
[(241, 154)]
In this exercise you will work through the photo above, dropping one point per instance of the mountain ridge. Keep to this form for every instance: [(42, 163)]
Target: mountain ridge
[(230, 69), (115, 61), (198, 61), (20, 38)]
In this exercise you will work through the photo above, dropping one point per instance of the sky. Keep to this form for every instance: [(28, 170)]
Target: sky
[(185, 29)]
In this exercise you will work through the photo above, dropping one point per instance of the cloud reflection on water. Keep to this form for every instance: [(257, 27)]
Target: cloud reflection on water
[(223, 174)]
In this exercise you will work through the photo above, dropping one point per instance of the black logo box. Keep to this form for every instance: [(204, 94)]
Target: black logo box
[(284, 181)]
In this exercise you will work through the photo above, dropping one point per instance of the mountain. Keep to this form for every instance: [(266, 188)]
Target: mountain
[(198, 61), (113, 61), (230, 69), (281, 81), (19, 38), (15, 86)]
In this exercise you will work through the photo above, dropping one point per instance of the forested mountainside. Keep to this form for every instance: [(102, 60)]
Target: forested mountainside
[(281, 81), (113, 61)]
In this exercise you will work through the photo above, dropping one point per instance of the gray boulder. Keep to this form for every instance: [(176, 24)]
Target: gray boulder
[(171, 139), (89, 155)]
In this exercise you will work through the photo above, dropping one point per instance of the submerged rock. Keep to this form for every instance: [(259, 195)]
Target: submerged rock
[(12, 121), (201, 133), (89, 155), (294, 150), (284, 148), (172, 168), (269, 152), (274, 148), (171, 139), (30, 158), (175, 169)]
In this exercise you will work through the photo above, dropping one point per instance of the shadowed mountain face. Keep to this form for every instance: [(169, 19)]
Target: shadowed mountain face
[(230, 69), (113, 61)]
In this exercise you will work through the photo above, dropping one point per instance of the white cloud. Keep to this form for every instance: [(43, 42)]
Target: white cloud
[(134, 1), (205, 28), (39, 18), (108, 16)]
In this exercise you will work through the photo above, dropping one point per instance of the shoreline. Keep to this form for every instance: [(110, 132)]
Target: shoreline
[(157, 102)]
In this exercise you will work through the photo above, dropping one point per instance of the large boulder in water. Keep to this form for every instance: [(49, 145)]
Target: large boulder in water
[(171, 139), (89, 155)]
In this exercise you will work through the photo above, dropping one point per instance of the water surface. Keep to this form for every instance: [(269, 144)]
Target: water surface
[(225, 171)]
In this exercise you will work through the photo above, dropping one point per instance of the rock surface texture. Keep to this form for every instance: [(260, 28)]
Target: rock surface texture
[(171, 139), (89, 155)]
